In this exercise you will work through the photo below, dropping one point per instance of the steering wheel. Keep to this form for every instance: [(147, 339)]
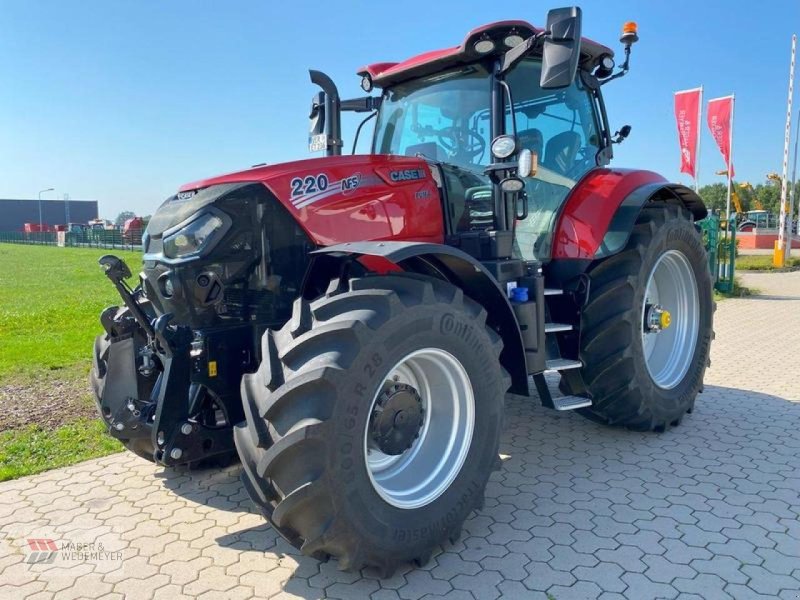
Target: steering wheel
[(465, 142)]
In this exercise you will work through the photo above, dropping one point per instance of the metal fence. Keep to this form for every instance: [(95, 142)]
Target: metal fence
[(99, 238), (720, 244)]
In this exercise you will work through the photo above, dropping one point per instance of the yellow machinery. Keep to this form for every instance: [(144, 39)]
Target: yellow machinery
[(737, 202), (757, 204)]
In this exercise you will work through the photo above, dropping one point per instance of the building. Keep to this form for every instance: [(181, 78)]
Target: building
[(15, 213)]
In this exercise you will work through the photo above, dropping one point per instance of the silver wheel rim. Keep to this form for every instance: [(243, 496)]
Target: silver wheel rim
[(669, 352), (425, 470)]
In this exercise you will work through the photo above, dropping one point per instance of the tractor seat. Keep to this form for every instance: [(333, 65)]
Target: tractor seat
[(531, 139), (561, 151)]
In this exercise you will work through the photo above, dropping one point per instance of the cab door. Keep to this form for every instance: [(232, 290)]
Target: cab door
[(561, 128)]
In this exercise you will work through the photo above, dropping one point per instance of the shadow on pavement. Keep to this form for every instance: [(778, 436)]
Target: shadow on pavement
[(218, 488), (554, 460), (768, 297)]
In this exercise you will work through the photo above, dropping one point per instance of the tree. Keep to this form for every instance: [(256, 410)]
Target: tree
[(770, 196), (123, 216), (714, 196)]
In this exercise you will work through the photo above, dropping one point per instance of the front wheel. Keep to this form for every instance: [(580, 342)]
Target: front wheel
[(374, 420), (646, 330)]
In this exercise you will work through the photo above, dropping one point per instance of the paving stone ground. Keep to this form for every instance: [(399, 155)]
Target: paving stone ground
[(707, 510)]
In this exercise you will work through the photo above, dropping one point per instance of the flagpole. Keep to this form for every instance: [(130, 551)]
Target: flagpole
[(782, 247), (793, 188), (699, 135), (730, 162)]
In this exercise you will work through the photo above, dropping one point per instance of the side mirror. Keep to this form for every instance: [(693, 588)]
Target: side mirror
[(317, 139), (562, 47), (623, 133)]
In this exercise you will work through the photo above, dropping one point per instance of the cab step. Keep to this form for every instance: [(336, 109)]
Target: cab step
[(571, 402), (562, 364), (554, 327), (550, 396)]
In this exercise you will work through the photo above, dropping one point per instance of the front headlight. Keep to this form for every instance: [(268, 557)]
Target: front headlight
[(192, 238)]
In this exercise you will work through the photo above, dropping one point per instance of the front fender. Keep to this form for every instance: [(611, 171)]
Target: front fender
[(455, 266)]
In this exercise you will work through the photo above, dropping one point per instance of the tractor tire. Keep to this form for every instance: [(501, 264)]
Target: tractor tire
[(644, 372), (97, 379), (345, 451)]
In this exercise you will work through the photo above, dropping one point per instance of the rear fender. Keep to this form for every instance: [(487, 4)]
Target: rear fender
[(600, 212), (444, 262), (621, 225)]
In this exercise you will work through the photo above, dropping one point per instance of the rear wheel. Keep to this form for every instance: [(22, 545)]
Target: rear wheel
[(647, 326), (374, 420)]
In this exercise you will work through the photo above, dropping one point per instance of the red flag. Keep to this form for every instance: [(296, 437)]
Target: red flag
[(720, 122), (687, 114)]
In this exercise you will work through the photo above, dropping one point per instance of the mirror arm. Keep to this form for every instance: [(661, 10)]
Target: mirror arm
[(517, 53), (365, 104)]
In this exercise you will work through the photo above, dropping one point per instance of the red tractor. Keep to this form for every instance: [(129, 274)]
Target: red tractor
[(132, 230), (351, 324)]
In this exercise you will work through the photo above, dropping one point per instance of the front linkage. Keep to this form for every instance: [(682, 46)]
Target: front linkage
[(168, 393)]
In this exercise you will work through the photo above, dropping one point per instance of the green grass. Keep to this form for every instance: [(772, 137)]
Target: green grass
[(762, 262), (33, 450), (50, 302), (739, 291)]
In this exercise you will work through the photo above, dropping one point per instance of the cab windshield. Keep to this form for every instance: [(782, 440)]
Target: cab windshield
[(443, 117)]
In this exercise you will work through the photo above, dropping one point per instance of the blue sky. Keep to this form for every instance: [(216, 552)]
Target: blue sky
[(124, 101)]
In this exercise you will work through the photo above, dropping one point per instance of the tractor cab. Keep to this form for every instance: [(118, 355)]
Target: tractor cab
[(446, 119), (512, 103)]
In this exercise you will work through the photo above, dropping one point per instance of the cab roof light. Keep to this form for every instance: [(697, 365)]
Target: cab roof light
[(630, 33), (484, 45)]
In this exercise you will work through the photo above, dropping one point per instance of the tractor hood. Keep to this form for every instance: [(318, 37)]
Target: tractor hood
[(272, 174), (349, 198)]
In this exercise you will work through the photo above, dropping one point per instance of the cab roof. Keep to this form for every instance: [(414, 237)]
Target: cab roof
[(384, 74)]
